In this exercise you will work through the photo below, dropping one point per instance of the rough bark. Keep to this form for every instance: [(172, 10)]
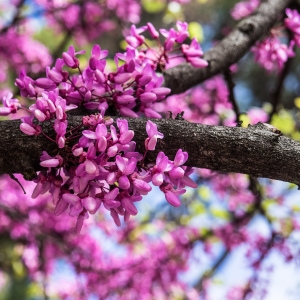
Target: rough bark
[(230, 50), (256, 150)]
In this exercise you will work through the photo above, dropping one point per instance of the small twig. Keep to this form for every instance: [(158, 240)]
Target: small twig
[(230, 85), (16, 18), (13, 177), (254, 278), (211, 272)]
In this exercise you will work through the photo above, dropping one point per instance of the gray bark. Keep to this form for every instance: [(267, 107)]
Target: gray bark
[(256, 150)]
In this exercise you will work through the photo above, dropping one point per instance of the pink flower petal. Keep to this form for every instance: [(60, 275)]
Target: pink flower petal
[(172, 198), (50, 163), (91, 204)]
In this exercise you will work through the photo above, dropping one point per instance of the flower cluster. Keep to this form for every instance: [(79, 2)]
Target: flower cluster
[(168, 54), (104, 168), (292, 22), (131, 89), (21, 51), (206, 104), (30, 220), (271, 53), (10, 105), (90, 19)]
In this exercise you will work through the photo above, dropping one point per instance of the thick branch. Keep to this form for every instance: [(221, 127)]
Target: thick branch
[(255, 150), (230, 50)]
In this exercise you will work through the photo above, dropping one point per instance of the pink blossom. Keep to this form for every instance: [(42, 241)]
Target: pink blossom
[(28, 127), (50, 162), (244, 8), (135, 39), (272, 54), (10, 105), (70, 59), (182, 31), (153, 135), (154, 33), (96, 61), (171, 194), (256, 115), (293, 20)]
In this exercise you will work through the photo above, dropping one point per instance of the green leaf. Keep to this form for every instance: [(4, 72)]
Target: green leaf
[(219, 213), (297, 102), (184, 219), (267, 203), (18, 269), (49, 37), (245, 119), (34, 290), (284, 122), (204, 192), (154, 6), (196, 31), (296, 208), (292, 186), (197, 208), (296, 135)]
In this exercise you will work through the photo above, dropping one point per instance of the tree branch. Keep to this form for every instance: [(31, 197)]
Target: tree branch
[(231, 97), (256, 150), (230, 50)]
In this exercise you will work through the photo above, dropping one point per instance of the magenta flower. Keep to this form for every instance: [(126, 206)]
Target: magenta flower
[(49, 161), (121, 78), (293, 20), (103, 167), (57, 74), (135, 39), (244, 9), (10, 105), (153, 135), (96, 61), (182, 31), (159, 169), (171, 194), (71, 198), (115, 217), (26, 85), (91, 204), (257, 114), (153, 32), (148, 97), (141, 186), (109, 200), (28, 127), (45, 83), (272, 54), (70, 59), (129, 206), (193, 54), (170, 36), (180, 158)]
